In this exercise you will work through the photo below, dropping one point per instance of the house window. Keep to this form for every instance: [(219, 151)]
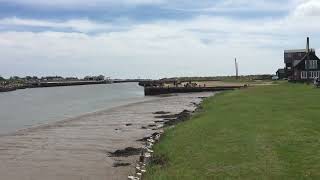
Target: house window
[(313, 64), (303, 74), (312, 74), (316, 74)]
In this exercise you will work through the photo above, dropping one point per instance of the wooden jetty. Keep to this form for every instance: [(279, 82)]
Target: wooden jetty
[(7, 89), (151, 91), (67, 83), (44, 84)]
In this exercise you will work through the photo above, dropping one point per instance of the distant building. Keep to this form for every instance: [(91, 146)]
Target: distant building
[(52, 78), (300, 66), (94, 78), (71, 79), (281, 74)]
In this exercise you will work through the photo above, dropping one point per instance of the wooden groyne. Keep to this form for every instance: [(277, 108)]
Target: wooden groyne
[(51, 84), (7, 89), (151, 91), (65, 83)]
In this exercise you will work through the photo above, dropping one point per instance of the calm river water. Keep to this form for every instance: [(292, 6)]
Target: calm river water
[(31, 107)]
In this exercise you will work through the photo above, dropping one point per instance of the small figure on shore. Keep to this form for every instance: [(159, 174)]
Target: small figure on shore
[(316, 82)]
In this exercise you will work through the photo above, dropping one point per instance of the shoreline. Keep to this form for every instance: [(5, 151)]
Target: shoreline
[(147, 157), (81, 144), (70, 119)]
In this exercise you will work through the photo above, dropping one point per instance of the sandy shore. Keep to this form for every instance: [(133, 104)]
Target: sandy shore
[(78, 148)]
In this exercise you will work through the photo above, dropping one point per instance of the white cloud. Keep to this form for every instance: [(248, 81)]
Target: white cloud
[(182, 5), (203, 45), (308, 8), (80, 25), (82, 3), (232, 6)]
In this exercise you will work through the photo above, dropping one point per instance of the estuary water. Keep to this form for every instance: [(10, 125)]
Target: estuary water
[(67, 133), (27, 108)]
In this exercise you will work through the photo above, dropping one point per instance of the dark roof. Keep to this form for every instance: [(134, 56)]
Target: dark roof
[(296, 62), (312, 55), (280, 71), (298, 50)]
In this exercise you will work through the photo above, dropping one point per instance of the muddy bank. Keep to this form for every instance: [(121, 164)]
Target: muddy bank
[(95, 146), (147, 156), (173, 119)]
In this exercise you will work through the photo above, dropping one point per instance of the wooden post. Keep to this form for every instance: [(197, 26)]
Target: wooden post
[(236, 66), (308, 59)]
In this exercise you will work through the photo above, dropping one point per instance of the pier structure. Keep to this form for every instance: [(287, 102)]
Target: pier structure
[(151, 91), (66, 83), (42, 84)]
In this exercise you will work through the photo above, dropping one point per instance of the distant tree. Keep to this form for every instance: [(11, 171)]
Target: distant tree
[(2, 79), (35, 78), (100, 78), (28, 78), (88, 78), (14, 78)]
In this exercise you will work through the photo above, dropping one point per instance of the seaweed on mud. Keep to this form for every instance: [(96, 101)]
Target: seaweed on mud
[(148, 137), (202, 98), (160, 121), (194, 104), (169, 116), (143, 139), (183, 116), (161, 112), (129, 151), (155, 134), (120, 164), (169, 119)]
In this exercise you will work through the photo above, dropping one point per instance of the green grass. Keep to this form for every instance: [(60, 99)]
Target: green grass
[(267, 132)]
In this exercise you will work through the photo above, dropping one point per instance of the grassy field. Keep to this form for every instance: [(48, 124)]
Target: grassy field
[(263, 132)]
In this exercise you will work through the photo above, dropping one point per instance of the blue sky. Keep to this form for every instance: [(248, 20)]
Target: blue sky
[(152, 38)]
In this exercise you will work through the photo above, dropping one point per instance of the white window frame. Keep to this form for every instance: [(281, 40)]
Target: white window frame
[(303, 74), (312, 74), (313, 64)]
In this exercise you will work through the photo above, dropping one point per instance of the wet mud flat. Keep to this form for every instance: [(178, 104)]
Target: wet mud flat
[(98, 146)]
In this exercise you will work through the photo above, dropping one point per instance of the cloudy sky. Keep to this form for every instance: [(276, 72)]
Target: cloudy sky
[(152, 38)]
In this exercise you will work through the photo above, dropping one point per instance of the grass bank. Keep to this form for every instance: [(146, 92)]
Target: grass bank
[(265, 132)]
